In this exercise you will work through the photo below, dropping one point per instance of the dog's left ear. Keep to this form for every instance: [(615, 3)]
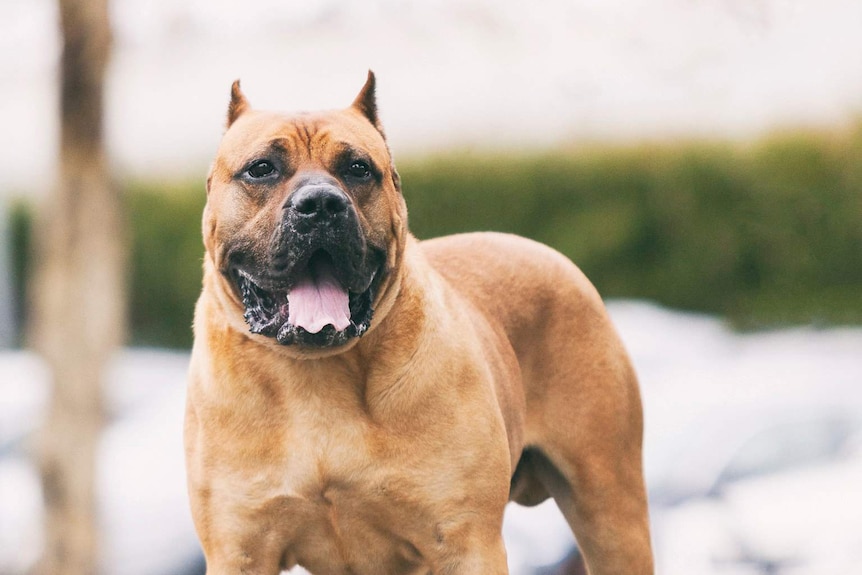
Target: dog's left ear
[(366, 102), (238, 104)]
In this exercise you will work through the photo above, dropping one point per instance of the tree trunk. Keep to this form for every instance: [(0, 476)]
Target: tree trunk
[(77, 317)]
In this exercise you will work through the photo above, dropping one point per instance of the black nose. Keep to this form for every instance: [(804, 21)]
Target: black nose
[(318, 201)]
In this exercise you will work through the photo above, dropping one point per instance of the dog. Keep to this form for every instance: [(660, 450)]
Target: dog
[(361, 402)]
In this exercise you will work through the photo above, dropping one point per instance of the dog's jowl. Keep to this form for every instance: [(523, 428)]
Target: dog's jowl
[(364, 403)]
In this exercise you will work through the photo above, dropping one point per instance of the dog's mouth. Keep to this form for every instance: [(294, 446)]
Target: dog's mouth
[(312, 308)]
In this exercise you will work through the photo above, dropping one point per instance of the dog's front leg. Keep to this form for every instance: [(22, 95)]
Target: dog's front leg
[(486, 562), (236, 539), (480, 553), (251, 558)]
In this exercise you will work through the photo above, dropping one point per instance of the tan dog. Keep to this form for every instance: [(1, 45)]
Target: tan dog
[(363, 403)]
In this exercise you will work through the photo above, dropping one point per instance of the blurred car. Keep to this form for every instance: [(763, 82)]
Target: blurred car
[(733, 443), (768, 490)]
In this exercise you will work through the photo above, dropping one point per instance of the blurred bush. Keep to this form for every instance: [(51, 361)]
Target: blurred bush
[(765, 234), (165, 264), (166, 261)]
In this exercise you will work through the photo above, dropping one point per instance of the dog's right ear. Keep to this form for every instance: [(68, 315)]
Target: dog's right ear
[(238, 104)]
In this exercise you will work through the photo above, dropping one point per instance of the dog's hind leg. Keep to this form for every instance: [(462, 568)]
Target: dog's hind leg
[(591, 464)]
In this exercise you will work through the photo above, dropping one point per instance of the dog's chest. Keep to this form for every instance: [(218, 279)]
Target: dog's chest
[(342, 504), (320, 478)]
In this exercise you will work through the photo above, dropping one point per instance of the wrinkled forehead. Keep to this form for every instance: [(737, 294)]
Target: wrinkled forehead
[(305, 138)]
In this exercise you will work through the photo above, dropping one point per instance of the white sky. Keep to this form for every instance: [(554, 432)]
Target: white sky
[(484, 73)]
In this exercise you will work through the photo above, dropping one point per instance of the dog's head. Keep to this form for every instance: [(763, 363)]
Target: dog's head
[(305, 221)]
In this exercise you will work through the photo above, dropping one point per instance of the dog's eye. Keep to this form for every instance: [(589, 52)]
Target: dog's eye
[(359, 169), (261, 169)]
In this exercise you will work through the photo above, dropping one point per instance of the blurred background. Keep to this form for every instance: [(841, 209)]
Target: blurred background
[(700, 160)]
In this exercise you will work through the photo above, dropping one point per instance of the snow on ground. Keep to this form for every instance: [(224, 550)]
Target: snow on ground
[(144, 513), (689, 366)]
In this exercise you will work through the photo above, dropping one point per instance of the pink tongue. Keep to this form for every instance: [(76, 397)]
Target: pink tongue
[(318, 300)]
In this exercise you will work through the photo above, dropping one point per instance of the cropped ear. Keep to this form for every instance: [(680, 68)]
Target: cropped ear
[(366, 101), (238, 104)]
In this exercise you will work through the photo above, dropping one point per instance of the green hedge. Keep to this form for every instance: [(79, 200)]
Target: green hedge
[(167, 261), (764, 234)]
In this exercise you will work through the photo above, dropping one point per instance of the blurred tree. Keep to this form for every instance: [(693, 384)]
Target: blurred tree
[(77, 317)]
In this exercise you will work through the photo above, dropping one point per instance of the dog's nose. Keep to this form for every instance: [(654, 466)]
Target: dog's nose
[(318, 201)]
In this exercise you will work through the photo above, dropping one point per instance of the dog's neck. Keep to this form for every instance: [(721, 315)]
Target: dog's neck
[(402, 312)]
